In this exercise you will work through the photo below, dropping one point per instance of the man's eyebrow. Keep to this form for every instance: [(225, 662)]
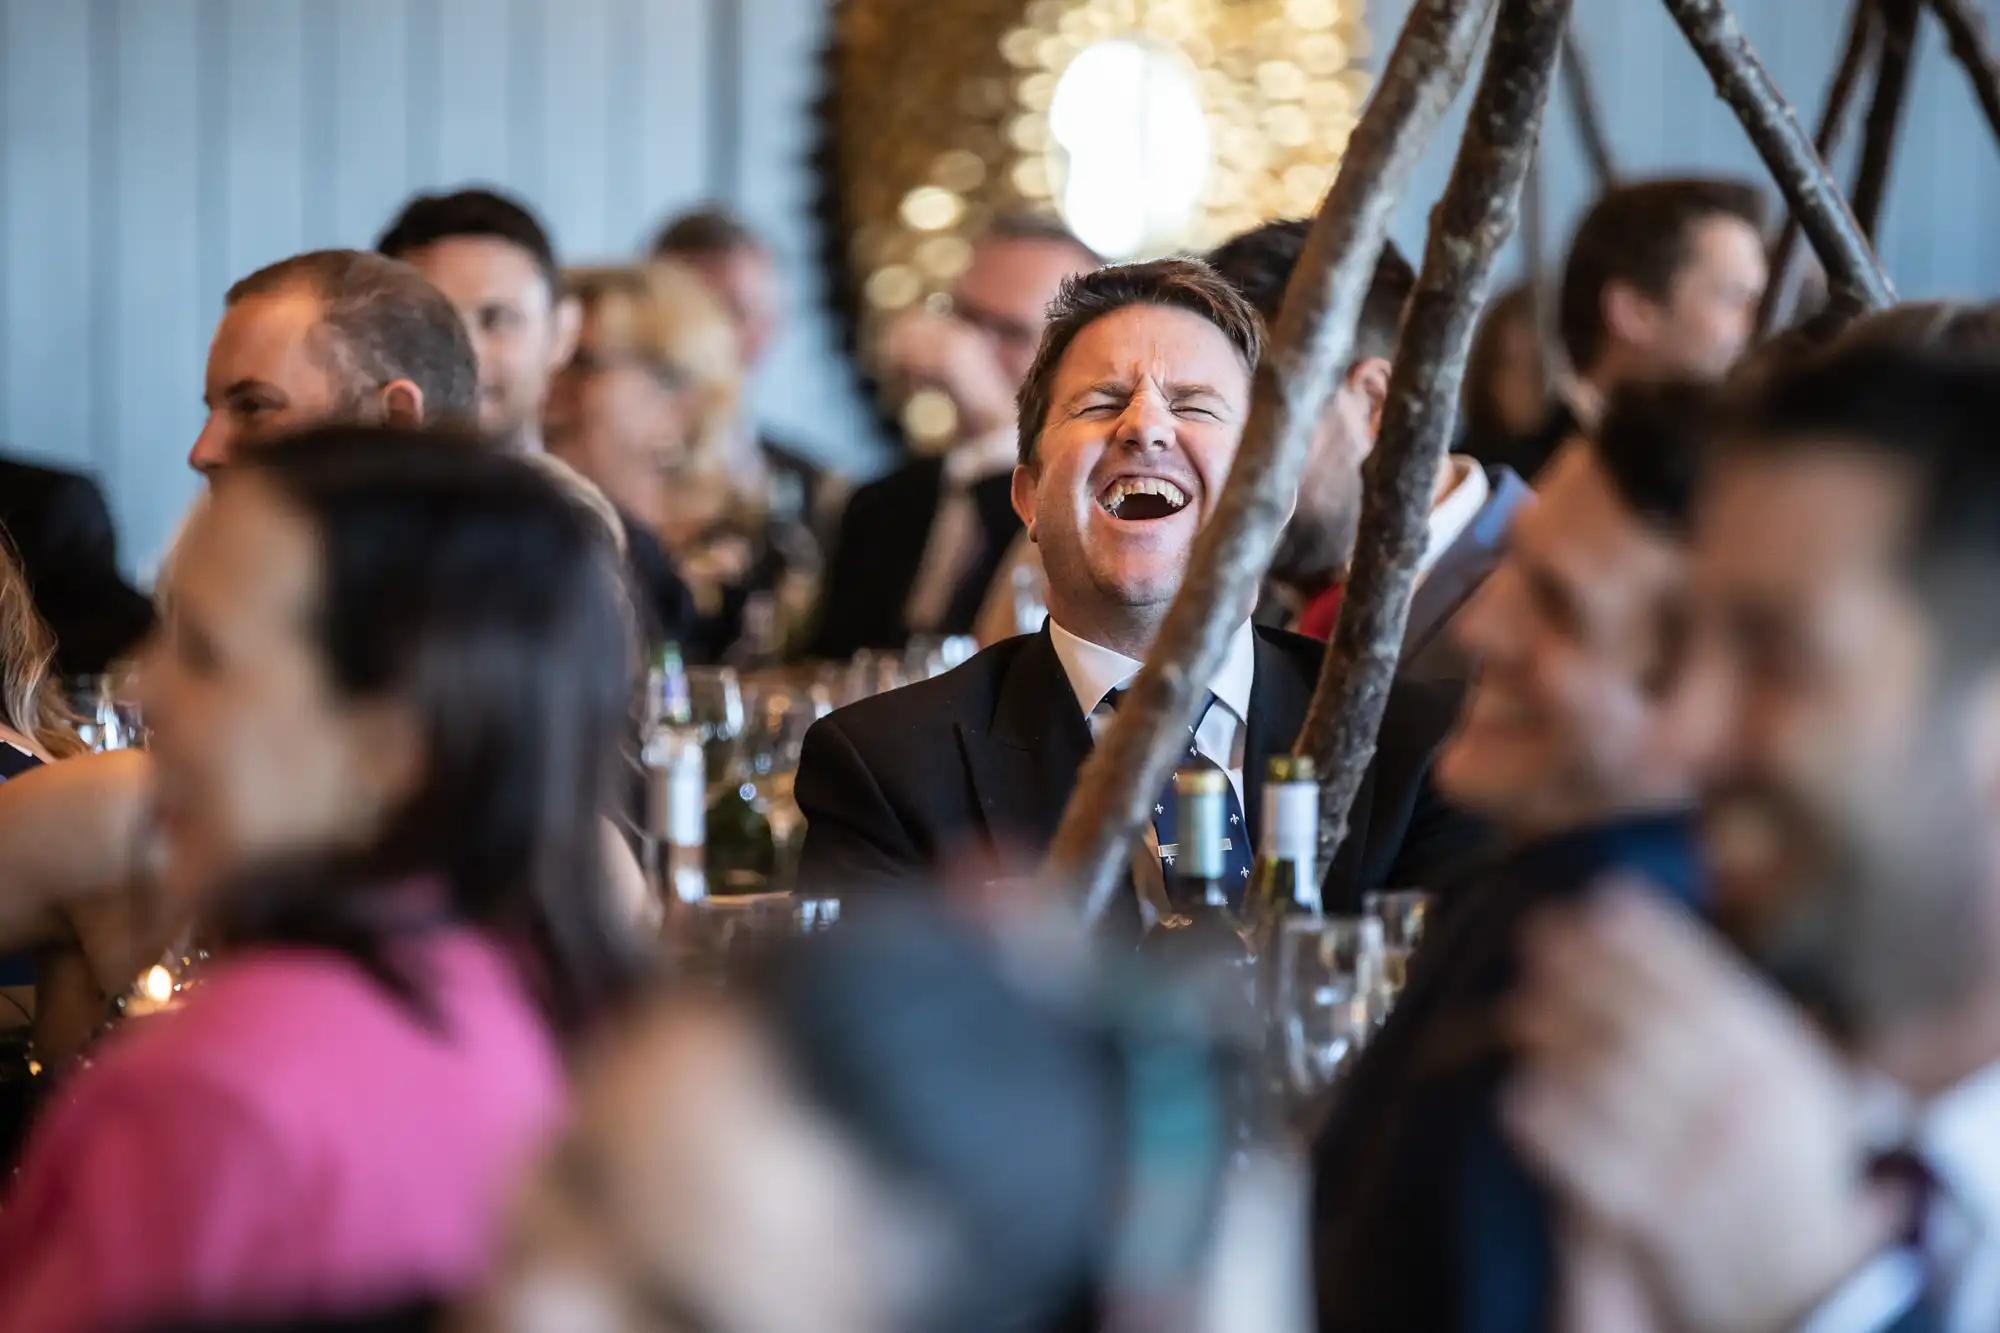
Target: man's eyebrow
[(239, 388)]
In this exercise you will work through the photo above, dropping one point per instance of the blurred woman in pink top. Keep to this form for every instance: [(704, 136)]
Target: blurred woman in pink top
[(385, 707)]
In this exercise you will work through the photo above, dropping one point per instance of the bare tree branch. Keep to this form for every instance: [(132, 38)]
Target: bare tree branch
[(1308, 350), (1885, 112), (1583, 105), (1861, 33), (1472, 222), (1968, 43), (1814, 197)]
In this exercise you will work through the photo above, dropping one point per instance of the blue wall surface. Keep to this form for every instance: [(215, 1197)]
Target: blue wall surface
[(151, 151)]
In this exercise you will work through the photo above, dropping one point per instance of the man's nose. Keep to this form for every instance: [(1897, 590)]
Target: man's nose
[(1146, 424)]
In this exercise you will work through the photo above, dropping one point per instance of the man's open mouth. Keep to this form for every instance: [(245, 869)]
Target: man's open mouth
[(1137, 499)]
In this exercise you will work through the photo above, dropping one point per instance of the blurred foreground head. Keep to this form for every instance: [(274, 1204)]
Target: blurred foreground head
[(392, 657), (888, 1135), (1581, 708), (1848, 554)]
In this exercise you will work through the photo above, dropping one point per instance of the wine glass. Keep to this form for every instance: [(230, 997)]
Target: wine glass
[(1402, 914), (1328, 969), (715, 696)]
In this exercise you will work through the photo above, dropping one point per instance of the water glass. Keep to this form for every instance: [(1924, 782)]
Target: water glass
[(1402, 914), (1327, 987), (109, 716)]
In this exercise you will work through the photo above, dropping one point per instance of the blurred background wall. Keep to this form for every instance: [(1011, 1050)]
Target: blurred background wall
[(152, 151)]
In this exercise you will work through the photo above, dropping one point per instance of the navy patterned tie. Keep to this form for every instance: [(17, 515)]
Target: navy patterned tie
[(1237, 856)]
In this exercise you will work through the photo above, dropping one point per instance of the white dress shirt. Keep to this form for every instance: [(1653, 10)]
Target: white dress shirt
[(1095, 671), (1453, 514), (1957, 1136), (953, 544)]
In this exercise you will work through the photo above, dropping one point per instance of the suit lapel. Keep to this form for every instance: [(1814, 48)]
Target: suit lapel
[(1464, 564), (1023, 766), (1280, 694)]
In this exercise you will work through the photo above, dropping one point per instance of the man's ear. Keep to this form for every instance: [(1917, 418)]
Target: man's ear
[(1630, 315), (1369, 377), (401, 404), (568, 316), (1027, 486)]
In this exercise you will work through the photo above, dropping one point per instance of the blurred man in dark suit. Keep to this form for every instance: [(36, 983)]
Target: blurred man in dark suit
[(1662, 282), (1735, 1172), (493, 260), (735, 265), (1129, 420), (919, 547), (1584, 740), (1470, 510), (61, 532)]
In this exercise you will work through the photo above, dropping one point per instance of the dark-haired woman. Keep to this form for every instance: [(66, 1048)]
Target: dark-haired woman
[(384, 714)]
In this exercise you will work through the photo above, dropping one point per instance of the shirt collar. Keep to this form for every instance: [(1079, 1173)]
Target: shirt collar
[(1956, 1139), (1094, 670), (1451, 516)]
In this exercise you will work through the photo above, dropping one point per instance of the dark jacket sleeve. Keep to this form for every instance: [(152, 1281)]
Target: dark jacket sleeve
[(1437, 839), (854, 840)]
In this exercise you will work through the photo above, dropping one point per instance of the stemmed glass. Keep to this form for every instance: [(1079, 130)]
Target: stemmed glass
[(1328, 983), (1402, 915), (715, 696)]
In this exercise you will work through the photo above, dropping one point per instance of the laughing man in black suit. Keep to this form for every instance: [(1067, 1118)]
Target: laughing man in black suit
[(1129, 421)]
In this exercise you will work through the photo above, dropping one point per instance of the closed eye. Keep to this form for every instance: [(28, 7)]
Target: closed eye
[(1194, 410)]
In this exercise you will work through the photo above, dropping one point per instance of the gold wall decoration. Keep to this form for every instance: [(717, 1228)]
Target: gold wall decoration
[(1151, 126)]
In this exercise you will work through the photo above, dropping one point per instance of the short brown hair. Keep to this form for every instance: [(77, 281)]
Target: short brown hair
[(709, 230), (1638, 234), (1178, 284), (384, 322), (1966, 331), (1260, 263)]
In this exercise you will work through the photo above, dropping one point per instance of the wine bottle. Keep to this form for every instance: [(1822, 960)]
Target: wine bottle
[(1201, 945), (1286, 878), (667, 696), (676, 825), (742, 851), (1197, 883)]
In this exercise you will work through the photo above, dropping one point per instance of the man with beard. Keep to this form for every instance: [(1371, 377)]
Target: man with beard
[(1583, 741), (1849, 546), (1130, 415), (1470, 510)]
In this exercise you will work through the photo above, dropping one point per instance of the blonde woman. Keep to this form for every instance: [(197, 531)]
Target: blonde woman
[(648, 410), (35, 723)]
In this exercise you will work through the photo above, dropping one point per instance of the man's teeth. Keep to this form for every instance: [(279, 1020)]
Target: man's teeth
[(1119, 491)]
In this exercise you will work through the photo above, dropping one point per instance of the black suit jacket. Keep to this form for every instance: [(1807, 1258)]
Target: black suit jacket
[(1423, 1215), (976, 766), (881, 546), (665, 608), (60, 530)]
